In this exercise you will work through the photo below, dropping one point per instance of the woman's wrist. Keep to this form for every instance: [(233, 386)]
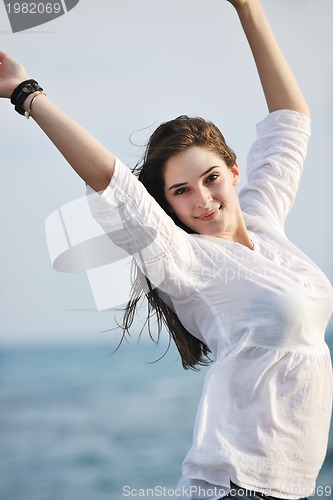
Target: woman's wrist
[(243, 7), (29, 103), (24, 94)]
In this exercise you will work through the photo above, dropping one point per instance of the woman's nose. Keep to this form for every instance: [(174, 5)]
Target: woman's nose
[(203, 197)]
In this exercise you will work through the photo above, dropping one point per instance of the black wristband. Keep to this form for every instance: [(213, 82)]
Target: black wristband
[(18, 90), (26, 90)]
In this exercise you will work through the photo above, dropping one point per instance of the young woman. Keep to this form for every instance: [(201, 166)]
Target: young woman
[(222, 275)]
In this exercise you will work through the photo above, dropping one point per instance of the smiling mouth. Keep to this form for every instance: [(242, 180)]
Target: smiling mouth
[(209, 216)]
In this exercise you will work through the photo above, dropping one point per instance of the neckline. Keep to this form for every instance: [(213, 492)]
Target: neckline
[(229, 242)]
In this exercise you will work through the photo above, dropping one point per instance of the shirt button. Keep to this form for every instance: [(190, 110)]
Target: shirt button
[(307, 284)]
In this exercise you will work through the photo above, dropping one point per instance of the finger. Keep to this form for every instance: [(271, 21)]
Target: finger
[(3, 55)]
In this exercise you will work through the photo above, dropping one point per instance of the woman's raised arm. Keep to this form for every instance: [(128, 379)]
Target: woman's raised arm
[(278, 81), (92, 161)]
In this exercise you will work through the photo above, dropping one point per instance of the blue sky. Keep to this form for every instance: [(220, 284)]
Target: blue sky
[(120, 68)]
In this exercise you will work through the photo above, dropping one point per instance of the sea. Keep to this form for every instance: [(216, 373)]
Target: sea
[(79, 422)]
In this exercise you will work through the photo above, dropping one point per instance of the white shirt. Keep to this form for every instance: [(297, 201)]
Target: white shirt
[(265, 409)]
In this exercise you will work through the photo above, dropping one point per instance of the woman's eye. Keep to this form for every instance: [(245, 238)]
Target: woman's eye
[(180, 190), (212, 177)]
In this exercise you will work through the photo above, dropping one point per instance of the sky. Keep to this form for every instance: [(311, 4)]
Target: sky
[(120, 68)]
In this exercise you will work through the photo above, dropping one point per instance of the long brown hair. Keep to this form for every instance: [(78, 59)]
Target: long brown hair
[(168, 140)]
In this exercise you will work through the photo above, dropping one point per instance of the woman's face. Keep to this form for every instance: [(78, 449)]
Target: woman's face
[(200, 190)]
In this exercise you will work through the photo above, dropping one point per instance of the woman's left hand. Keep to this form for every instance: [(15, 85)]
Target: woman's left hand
[(241, 3), (237, 3), (12, 73)]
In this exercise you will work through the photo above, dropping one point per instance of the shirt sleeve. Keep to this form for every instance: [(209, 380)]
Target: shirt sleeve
[(275, 164), (135, 222)]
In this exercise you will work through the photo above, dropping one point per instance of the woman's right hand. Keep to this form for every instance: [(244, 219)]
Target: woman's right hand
[(92, 161), (12, 73)]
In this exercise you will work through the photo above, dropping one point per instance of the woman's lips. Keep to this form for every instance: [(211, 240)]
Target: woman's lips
[(209, 215)]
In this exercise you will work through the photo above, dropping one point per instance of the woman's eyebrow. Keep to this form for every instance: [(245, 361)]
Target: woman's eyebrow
[(180, 184)]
